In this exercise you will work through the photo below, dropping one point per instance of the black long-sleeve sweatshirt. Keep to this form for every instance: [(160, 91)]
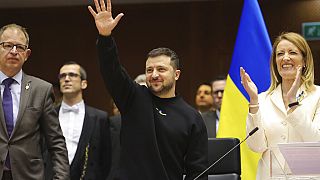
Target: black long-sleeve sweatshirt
[(161, 138)]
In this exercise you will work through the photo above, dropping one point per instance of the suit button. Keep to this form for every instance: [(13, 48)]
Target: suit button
[(1, 161), (284, 123), (283, 137)]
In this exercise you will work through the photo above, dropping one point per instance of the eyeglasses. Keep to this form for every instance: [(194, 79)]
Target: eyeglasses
[(70, 74), (218, 91), (9, 46)]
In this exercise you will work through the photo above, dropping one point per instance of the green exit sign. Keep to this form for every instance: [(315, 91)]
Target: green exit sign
[(311, 30)]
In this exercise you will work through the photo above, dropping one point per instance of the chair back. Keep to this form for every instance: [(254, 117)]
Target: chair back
[(232, 176), (231, 163)]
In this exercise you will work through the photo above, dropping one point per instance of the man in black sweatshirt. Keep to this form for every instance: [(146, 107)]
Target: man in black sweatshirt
[(162, 137)]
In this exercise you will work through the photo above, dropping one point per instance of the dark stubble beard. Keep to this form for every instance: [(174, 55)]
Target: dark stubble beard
[(165, 89)]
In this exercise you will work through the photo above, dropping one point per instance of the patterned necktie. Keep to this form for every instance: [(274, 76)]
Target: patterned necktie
[(7, 104)]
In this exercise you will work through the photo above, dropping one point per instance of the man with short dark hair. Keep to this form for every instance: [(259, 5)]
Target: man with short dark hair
[(204, 103), (218, 85), (162, 137), (204, 99), (85, 128)]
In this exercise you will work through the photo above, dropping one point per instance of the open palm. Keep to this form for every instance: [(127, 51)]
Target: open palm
[(105, 23), (248, 84)]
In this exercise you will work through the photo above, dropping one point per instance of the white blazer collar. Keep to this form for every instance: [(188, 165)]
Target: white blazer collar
[(277, 99)]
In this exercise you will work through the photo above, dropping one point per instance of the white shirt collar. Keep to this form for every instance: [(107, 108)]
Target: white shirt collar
[(17, 77)]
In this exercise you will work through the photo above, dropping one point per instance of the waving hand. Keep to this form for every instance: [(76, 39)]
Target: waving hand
[(103, 17)]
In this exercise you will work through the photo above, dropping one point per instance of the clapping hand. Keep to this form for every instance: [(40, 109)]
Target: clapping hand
[(291, 95), (103, 17), (249, 86)]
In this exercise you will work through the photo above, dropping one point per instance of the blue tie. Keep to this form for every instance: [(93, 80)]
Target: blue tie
[(7, 104), (8, 110)]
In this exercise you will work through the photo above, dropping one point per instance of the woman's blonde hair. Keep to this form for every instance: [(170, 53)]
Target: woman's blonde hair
[(307, 76)]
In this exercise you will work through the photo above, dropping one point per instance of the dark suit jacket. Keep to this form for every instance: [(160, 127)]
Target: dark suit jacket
[(94, 138), (36, 117), (210, 121), (115, 127)]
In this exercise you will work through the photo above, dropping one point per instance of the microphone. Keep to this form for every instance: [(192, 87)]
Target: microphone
[(250, 134)]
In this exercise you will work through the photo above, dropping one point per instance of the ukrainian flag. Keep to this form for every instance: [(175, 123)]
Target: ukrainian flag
[(252, 52)]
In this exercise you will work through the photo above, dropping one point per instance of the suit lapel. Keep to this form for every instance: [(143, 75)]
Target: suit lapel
[(26, 88), (87, 129), (210, 118), (277, 100)]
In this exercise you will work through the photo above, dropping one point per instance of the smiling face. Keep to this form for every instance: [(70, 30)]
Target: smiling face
[(304, 57), (12, 60), (288, 58), (161, 76)]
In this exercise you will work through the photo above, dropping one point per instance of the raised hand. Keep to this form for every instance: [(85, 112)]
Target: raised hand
[(249, 86), (291, 95), (103, 17)]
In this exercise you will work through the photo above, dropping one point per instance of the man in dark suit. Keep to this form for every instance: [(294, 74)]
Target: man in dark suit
[(218, 85), (85, 128), (26, 113), (204, 104), (210, 119)]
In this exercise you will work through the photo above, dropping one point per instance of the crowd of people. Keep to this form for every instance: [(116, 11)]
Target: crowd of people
[(153, 133)]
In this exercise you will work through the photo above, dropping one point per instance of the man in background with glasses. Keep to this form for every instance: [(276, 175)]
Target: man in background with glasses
[(27, 114), (218, 85), (85, 128)]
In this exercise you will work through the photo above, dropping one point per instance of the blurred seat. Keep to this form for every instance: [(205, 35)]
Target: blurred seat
[(229, 167)]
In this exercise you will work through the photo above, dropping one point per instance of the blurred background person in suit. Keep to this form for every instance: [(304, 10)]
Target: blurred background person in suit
[(85, 128), (204, 99), (204, 104), (218, 85)]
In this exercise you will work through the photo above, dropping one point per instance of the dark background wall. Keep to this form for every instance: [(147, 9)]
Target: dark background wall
[(202, 33)]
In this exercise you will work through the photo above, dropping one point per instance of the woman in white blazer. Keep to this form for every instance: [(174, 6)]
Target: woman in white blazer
[(290, 110)]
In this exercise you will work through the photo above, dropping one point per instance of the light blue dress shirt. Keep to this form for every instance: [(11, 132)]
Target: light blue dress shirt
[(15, 92)]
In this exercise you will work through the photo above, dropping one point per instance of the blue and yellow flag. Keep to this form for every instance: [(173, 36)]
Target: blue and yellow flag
[(252, 52)]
